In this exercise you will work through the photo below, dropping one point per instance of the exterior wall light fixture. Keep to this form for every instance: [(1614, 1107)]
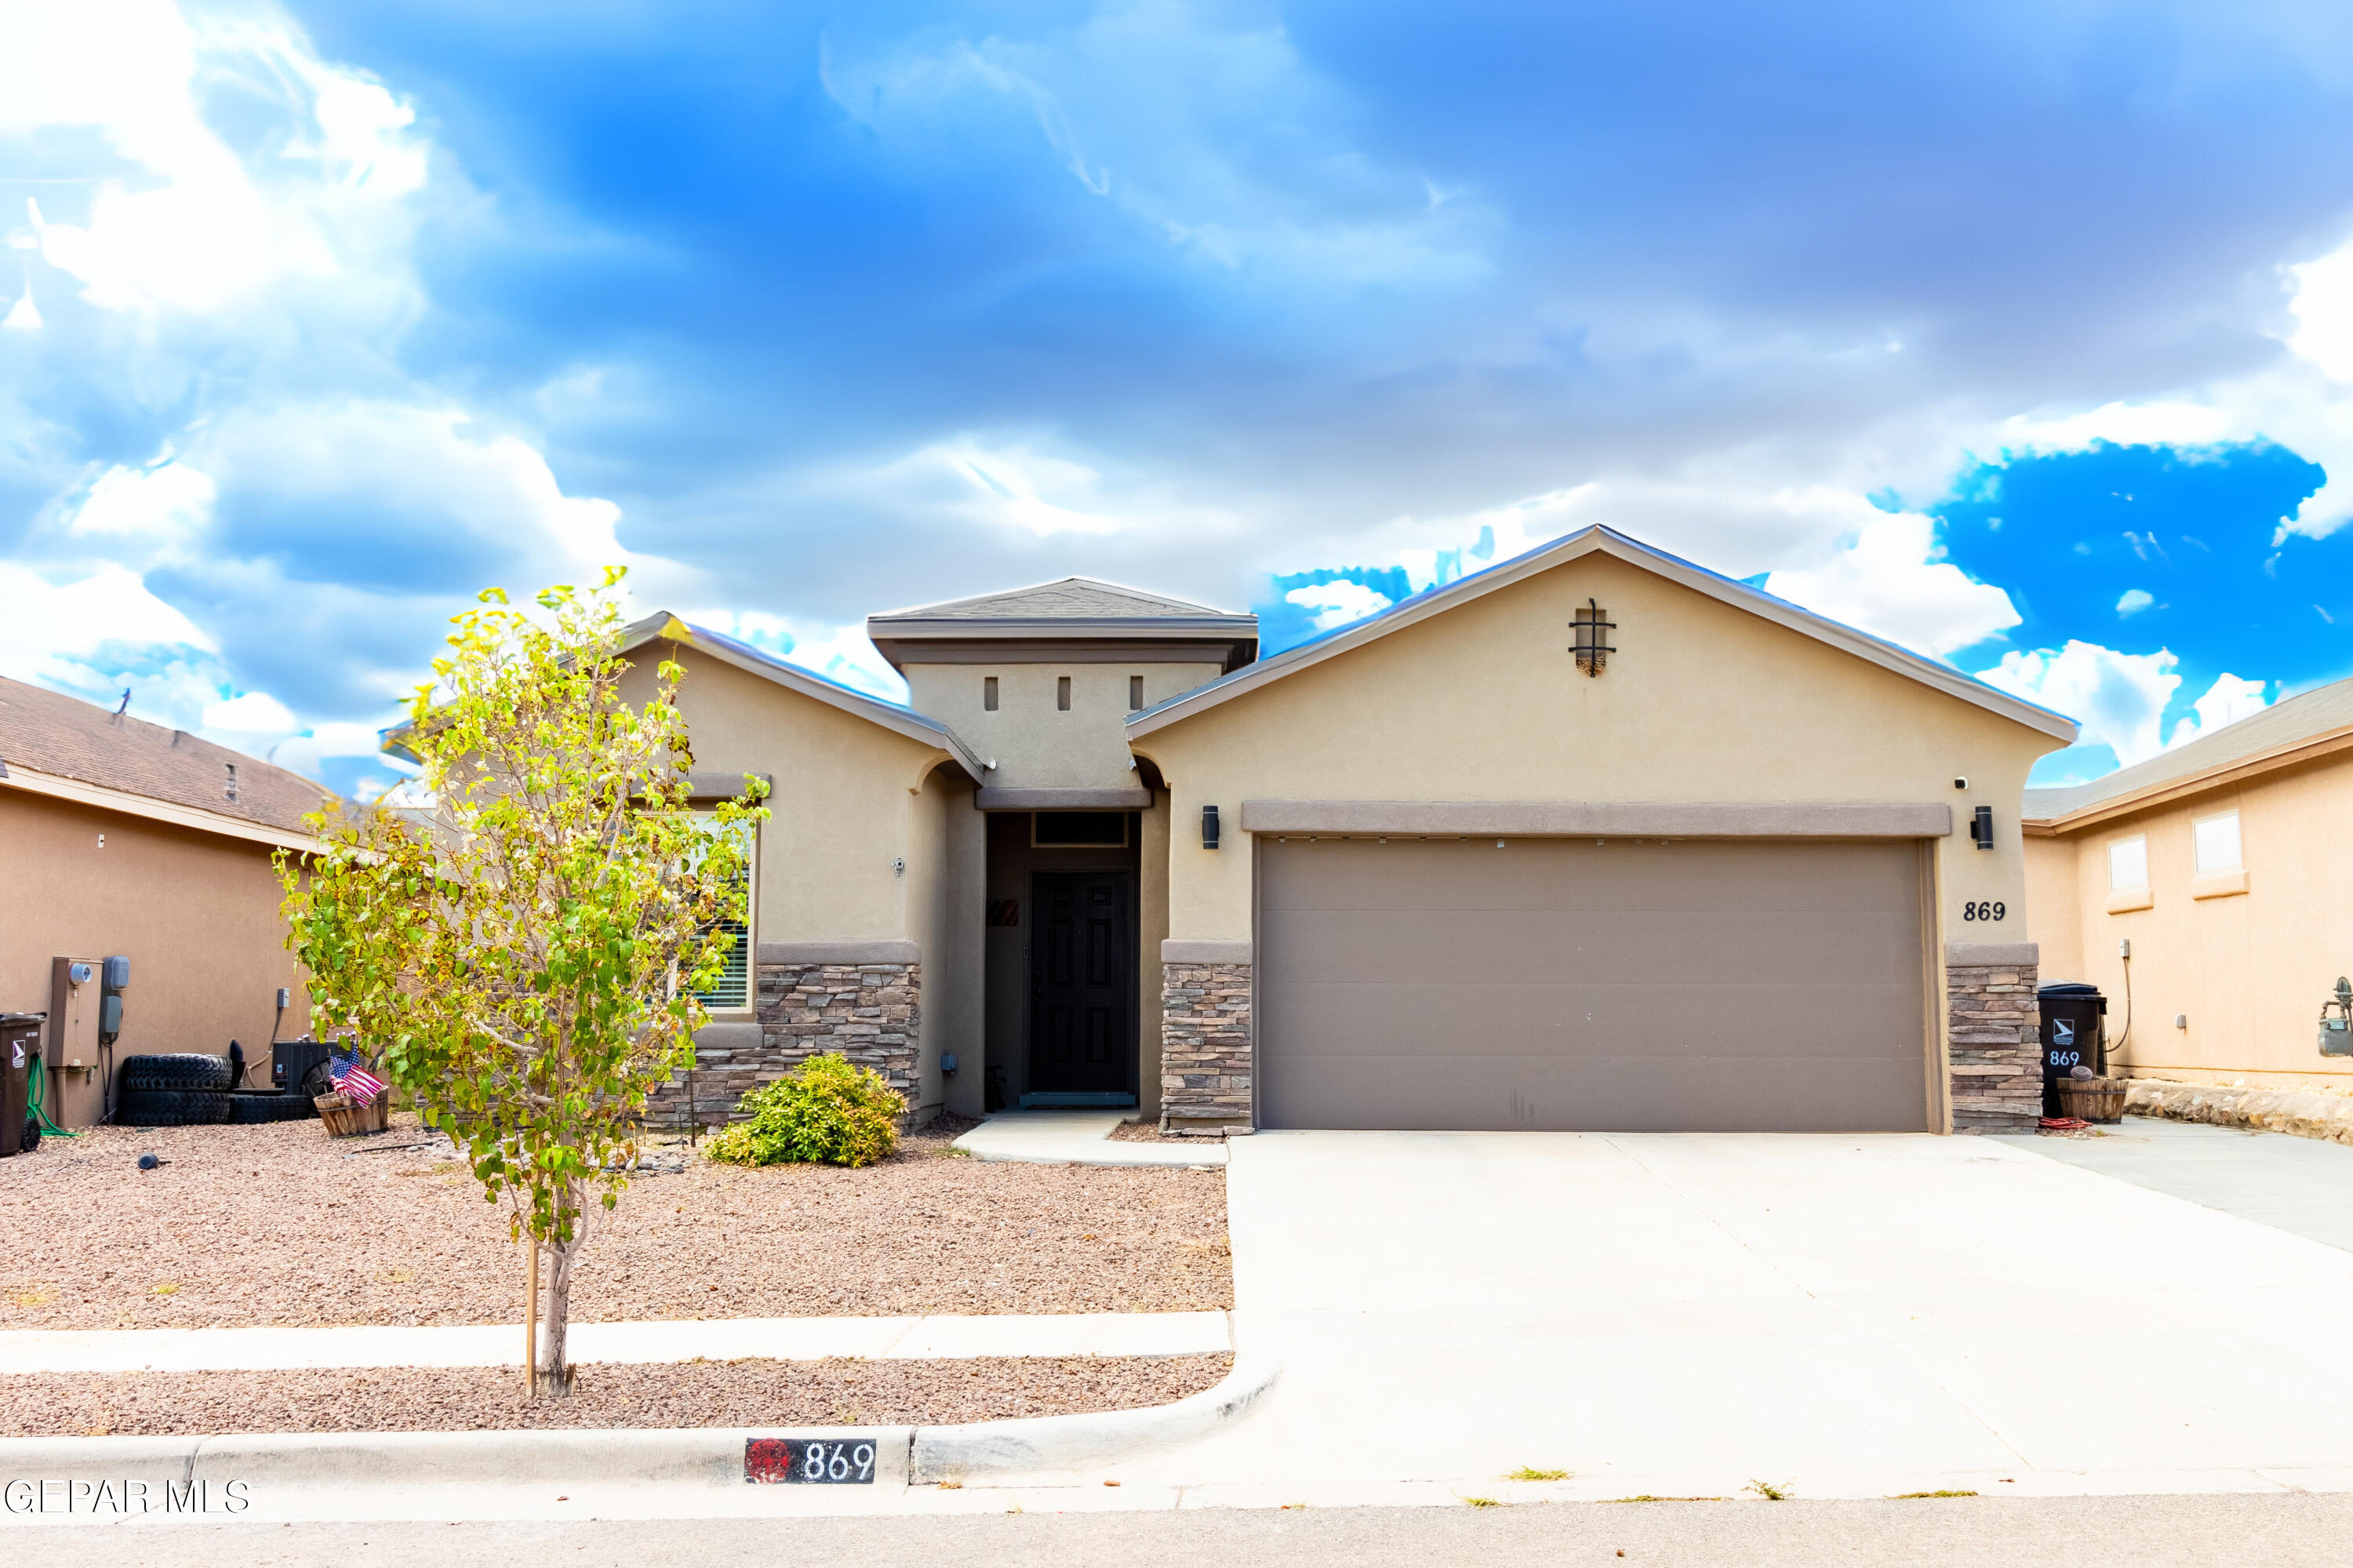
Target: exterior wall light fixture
[(1981, 827), (1592, 649), (1208, 827)]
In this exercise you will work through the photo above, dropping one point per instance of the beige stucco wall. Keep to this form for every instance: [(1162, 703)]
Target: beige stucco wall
[(2054, 908), (196, 915), (1152, 929), (2250, 970), (946, 867), (1035, 745), (844, 807), (1703, 702)]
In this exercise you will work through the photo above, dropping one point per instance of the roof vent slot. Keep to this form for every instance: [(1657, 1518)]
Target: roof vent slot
[(229, 791)]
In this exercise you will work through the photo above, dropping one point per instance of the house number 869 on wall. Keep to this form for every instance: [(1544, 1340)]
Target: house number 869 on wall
[(1984, 911)]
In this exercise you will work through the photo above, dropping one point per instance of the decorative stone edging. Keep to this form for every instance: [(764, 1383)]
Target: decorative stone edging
[(2305, 1113), (1206, 1047), (1993, 1029), (869, 1012)]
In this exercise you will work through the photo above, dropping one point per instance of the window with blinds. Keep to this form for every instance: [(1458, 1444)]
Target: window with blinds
[(733, 993), (734, 988)]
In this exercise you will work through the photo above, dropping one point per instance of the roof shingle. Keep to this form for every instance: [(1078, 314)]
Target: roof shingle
[(49, 731)]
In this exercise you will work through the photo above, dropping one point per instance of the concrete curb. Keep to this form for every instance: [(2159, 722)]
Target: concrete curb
[(1002, 1450), (140, 1475), (2305, 1113)]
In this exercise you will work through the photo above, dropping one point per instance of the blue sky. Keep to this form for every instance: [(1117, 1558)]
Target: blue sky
[(315, 318)]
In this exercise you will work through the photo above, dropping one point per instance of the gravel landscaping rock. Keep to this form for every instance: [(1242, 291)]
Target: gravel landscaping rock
[(675, 1394), (1150, 1133), (278, 1224)]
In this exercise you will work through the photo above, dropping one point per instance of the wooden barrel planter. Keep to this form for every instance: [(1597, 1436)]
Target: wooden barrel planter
[(346, 1117), (2094, 1100)]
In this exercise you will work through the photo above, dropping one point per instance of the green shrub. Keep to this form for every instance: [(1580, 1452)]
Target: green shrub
[(825, 1109)]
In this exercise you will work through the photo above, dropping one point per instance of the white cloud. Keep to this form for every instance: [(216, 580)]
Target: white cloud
[(429, 466), (2134, 600), (167, 501), (307, 752), (2322, 308), (2303, 399), (206, 228), (23, 315), (1008, 487), (256, 713), (1136, 105), (1338, 603), (839, 653), (2118, 698), (2227, 701), (73, 615), (1888, 581)]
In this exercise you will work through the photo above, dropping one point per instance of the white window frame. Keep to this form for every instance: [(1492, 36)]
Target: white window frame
[(2139, 846), (2198, 837), (750, 937)]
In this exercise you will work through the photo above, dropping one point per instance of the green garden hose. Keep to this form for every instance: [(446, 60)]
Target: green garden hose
[(34, 1091)]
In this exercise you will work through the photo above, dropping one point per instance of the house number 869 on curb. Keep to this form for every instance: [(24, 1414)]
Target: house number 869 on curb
[(810, 1461), (1984, 911)]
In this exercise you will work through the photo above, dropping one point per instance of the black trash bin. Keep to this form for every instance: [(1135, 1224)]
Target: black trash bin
[(2073, 1035), (20, 1043)]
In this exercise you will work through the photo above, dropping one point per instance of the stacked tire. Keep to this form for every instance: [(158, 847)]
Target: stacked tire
[(251, 1108), (179, 1091)]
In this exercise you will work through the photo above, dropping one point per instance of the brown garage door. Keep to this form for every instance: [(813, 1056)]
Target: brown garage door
[(1692, 986)]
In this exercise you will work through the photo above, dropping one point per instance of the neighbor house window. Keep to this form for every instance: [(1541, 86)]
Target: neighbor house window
[(1062, 694), (988, 693), (2128, 865), (733, 993), (2216, 841), (1135, 692)]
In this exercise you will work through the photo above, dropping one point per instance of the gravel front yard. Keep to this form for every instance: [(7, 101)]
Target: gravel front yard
[(280, 1225), (684, 1393)]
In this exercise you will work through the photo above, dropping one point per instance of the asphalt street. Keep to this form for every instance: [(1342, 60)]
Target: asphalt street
[(2238, 1530)]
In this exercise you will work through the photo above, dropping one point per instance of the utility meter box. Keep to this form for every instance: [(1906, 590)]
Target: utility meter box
[(74, 1069)]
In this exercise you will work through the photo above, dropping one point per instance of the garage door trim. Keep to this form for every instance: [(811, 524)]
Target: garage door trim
[(1608, 819)]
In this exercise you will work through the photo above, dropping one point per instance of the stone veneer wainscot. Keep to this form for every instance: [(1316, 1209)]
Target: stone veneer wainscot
[(862, 999), (1994, 1034), (1205, 1046)]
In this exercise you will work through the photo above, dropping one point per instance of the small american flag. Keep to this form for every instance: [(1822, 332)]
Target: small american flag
[(351, 1077)]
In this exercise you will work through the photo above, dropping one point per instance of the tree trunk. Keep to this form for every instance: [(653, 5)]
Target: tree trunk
[(555, 1378)]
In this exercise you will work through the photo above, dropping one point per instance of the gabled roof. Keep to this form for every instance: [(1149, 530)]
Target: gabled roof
[(1085, 599), (1599, 540), (1063, 615), (2291, 730), (127, 760), (896, 717)]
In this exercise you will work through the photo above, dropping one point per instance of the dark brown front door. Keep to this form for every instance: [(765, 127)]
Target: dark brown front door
[(1081, 983)]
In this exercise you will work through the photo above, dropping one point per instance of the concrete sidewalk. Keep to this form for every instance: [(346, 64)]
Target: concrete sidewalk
[(2302, 1185), (725, 1338), (1078, 1138)]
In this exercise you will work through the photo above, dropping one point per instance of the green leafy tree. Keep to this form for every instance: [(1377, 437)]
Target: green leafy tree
[(524, 944)]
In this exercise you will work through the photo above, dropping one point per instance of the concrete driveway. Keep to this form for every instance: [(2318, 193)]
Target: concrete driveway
[(1681, 1315)]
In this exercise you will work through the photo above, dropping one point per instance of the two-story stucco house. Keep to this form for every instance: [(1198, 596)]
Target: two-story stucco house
[(1595, 839)]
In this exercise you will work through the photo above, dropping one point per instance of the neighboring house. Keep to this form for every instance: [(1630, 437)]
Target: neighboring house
[(2225, 864), (123, 838), (1595, 839)]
